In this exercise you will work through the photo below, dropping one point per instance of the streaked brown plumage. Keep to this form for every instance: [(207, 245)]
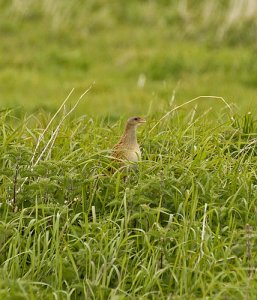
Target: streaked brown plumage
[(128, 149)]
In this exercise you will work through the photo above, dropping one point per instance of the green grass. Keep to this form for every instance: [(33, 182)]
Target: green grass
[(181, 226), (50, 47)]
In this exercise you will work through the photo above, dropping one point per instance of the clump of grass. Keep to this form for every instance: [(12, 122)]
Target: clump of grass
[(180, 226)]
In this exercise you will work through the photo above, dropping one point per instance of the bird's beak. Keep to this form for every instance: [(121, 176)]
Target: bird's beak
[(142, 120)]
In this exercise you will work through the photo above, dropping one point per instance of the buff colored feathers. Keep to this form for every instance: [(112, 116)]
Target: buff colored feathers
[(128, 148)]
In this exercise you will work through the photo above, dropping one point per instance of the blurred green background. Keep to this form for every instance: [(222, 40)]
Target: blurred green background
[(139, 53)]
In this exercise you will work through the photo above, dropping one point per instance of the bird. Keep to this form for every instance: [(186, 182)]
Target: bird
[(127, 149)]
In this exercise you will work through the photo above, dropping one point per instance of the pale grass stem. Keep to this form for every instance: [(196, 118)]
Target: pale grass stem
[(54, 135), (203, 233), (48, 125), (188, 102), (249, 234), (247, 147), (93, 214)]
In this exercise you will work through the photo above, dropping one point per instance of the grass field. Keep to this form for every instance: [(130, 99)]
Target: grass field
[(137, 54), (182, 225)]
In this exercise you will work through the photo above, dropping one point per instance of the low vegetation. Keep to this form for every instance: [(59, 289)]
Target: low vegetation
[(179, 225)]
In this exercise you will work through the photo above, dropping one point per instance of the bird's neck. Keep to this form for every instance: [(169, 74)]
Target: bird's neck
[(130, 136)]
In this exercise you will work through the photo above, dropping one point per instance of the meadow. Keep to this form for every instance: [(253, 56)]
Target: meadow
[(182, 225)]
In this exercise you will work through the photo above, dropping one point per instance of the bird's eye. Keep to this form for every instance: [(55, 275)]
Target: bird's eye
[(136, 119)]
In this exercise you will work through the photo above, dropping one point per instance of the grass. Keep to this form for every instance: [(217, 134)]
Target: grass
[(180, 226), (50, 47)]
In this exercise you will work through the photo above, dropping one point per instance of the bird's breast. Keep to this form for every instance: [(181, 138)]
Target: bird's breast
[(133, 155), (130, 152)]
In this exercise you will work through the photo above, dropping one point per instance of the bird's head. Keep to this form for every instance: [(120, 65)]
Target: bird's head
[(135, 121)]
